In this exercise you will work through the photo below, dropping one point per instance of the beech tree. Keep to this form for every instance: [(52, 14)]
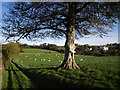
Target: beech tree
[(57, 19)]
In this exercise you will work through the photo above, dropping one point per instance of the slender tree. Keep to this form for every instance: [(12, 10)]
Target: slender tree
[(52, 19)]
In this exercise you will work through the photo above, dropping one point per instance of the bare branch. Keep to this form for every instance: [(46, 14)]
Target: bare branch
[(84, 6)]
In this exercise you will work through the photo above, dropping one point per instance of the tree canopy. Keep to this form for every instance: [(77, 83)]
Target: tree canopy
[(42, 19)]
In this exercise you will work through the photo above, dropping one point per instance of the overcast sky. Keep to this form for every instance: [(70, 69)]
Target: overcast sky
[(93, 40)]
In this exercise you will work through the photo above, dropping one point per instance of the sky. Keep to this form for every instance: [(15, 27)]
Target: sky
[(93, 40)]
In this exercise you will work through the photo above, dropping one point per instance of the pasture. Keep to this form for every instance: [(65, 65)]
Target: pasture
[(30, 70)]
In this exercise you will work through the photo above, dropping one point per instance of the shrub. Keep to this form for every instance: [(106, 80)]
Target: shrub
[(96, 53), (9, 51)]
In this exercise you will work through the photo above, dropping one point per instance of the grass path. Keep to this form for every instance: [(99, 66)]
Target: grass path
[(15, 78)]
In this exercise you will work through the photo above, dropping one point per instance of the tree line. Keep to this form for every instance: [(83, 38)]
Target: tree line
[(53, 47), (113, 49), (98, 50)]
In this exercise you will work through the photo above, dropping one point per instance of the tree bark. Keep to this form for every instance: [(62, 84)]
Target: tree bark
[(69, 61)]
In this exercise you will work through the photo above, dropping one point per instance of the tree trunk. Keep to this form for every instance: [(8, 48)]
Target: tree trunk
[(69, 61)]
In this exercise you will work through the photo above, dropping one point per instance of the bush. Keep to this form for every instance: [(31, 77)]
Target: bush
[(9, 51), (96, 53)]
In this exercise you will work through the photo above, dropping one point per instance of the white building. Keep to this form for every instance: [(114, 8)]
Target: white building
[(105, 48)]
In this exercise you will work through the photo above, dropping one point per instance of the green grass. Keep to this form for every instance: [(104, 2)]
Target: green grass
[(37, 51), (95, 72), (40, 61), (14, 78), (105, 63)]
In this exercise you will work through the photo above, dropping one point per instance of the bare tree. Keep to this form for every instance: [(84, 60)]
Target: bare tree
[(52, 19)]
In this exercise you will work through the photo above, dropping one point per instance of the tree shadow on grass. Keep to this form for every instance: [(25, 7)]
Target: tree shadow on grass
[(50, 81), (11, 73), (17, 77), (9, 78)]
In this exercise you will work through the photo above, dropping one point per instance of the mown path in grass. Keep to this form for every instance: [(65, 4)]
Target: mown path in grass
[(14, 78)]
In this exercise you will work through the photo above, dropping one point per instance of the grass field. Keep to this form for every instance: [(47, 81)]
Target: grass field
[(28, 71)]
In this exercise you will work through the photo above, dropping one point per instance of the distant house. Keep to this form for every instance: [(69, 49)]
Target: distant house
[(88, 49), (104, 48)]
